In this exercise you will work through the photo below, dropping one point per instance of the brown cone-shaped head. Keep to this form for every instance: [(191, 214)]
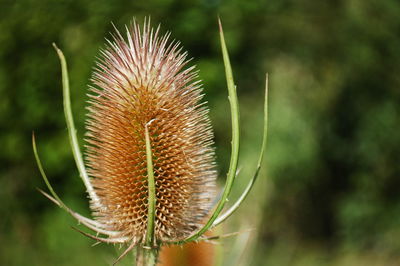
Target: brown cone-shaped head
[(139, 82)]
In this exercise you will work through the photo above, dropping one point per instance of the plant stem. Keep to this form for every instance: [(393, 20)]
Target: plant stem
[(146, 256)]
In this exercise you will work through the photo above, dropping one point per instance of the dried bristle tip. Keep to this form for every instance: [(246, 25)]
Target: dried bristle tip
[(137, 82)]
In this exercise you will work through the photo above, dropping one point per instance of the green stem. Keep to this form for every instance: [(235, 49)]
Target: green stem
[(146, 256)]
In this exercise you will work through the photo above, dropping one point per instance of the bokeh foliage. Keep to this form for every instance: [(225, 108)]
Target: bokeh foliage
[(331, 192)]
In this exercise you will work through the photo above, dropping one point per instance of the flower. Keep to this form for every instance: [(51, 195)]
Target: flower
[(142, 83)]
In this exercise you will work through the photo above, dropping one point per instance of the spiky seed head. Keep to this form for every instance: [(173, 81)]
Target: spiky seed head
[(137, 82)]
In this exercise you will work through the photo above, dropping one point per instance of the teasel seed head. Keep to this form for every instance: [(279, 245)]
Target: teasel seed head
[(150, 171), (143, 82)]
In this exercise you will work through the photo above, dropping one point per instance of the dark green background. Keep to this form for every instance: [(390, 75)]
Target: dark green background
[(330, 194)]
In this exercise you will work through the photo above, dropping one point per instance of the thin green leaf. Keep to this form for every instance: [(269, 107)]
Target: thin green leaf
[(234, 106), (71, 128), (236, 205), (39, 164)]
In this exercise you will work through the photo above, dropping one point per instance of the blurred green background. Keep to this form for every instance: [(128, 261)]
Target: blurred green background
[(330, 194)]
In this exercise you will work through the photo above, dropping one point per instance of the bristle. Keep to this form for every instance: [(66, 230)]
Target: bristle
[(136, 81)]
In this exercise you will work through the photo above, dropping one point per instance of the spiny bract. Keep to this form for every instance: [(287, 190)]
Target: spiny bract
[(141, 82)]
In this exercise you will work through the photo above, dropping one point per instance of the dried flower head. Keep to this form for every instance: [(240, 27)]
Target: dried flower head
[(141, 83)]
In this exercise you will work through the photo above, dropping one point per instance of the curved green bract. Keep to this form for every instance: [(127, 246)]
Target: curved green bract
[(151, 192), (235, 143), (39, 164), (71, 128), (242, 197)]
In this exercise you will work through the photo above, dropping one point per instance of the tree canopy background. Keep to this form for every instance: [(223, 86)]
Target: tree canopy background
[(330, 191)]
